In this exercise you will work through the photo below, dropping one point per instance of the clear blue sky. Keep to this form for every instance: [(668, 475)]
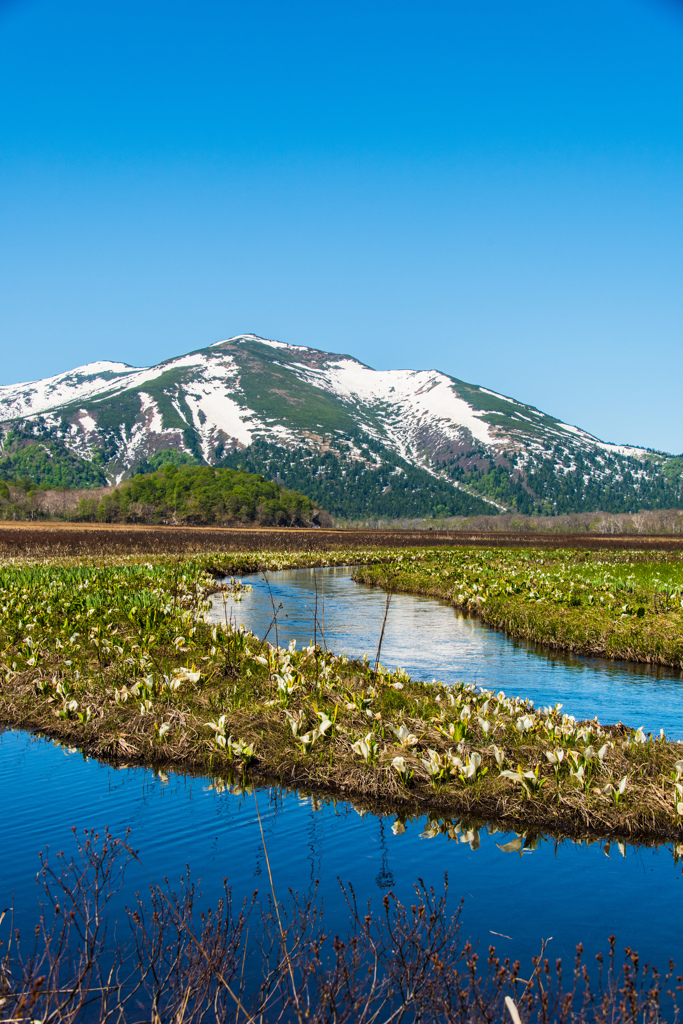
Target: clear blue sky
[(492, 188)]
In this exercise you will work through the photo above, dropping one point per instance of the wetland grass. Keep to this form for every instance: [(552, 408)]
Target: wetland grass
[(626, 605), (118, 659)]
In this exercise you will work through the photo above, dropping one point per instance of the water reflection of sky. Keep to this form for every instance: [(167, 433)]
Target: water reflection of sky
[(430, 640), (572, 893)]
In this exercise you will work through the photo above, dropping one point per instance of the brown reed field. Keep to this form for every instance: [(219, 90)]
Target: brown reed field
[(45, 539)]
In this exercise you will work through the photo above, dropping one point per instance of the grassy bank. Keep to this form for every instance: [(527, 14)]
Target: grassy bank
[(118, 659), (609, 604)]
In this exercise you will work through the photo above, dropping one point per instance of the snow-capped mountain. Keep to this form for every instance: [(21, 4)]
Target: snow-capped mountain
[(327, 423)]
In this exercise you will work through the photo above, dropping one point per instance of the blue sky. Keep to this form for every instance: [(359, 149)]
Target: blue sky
[(490, 188)]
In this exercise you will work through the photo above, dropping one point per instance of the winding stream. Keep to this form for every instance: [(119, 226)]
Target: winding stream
[(430, 639), (513, 897)]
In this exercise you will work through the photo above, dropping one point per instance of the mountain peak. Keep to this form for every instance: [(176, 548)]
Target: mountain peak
[(242, 338), (329, 424)]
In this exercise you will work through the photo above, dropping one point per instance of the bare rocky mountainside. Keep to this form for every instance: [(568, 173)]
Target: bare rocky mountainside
[(361, 443)]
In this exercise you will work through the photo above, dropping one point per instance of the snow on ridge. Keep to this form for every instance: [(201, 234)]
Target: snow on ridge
[(495, 394), (415, 395), (138, 378), (617, 449), (623, 449), (85, 382), (87, 370), (39, 396), (583, 434)]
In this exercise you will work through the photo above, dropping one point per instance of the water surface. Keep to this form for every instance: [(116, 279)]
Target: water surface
[(568, 893), (430, 639), (572, 893)]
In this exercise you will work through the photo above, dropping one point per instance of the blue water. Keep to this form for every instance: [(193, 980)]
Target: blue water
[(570, 893), (566, 893), (431, 640)]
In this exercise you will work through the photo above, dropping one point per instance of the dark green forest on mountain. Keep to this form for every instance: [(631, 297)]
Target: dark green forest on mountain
[(46, 462), (577, 483), (354, 489)]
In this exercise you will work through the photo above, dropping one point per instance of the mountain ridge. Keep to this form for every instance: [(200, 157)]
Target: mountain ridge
[(409, 442)]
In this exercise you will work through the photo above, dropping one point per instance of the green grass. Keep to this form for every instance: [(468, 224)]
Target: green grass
[(617, 605), (118, 658)]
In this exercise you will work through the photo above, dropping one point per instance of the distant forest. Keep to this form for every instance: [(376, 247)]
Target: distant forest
[(186, 494), (551, 486)]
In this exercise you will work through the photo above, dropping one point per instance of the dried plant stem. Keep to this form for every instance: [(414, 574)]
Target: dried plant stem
[(276, 904)]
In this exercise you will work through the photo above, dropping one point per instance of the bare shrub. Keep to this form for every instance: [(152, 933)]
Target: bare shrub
[(269, 962)]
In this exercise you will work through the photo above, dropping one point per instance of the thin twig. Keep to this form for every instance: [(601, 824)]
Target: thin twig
[(322, 580), (277, 905), (381, 635), (389, 581), (275, 611), (315, 610)]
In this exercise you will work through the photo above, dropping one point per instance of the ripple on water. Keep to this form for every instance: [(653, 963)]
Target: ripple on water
[(571, 892)]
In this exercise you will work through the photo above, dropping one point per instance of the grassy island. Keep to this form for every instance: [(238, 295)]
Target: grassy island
[(118, 659), (625, 604)]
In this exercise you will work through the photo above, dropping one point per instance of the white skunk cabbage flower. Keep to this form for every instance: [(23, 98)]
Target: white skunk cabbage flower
[(219, 726), (366, 748), (404, 736)]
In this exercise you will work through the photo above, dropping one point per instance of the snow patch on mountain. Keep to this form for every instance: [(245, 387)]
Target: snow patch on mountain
[(213, 410), (151, 413), (503, 398), (35, 397), (617, 449), (405, 401), (87, 423)]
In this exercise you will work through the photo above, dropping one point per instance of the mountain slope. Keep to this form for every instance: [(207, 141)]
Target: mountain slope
[(360, 442)]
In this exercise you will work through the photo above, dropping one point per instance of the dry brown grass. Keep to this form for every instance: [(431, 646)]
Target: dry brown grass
[(53, 539)]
